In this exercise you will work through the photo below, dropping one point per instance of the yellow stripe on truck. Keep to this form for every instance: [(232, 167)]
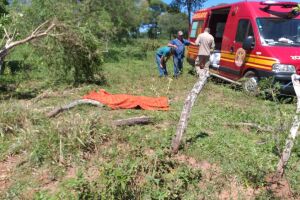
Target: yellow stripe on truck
[(225, 55), (250, 59), (251, 55), (260, 61), (258, 66), (227, 60)]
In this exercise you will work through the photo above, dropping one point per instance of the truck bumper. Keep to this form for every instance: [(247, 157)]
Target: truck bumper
[(284, 80)]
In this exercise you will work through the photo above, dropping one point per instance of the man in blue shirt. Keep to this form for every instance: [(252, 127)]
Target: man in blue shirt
[(162, 56), (179, 44)]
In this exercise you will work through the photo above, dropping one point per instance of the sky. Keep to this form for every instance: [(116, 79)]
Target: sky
[(210, 3)]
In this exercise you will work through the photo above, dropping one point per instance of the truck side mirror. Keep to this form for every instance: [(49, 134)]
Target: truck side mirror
[(248, 43)]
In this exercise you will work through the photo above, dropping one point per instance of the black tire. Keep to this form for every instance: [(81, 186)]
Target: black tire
[(250, 83)]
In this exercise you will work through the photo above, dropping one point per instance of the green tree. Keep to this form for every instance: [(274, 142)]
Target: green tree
[(168, 27), (189, 5), (154, 9), (3, 8), (126, 15), (73, 52)]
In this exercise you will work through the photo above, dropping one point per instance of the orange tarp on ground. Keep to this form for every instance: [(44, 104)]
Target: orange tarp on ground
[(117, 101)]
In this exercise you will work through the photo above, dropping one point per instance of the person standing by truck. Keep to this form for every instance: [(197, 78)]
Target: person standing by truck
[(162, 56), (179, 44), (206, 44)]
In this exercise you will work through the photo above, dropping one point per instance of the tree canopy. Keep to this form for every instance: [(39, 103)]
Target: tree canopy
[(188, 5), (74, 51), (169, 27)]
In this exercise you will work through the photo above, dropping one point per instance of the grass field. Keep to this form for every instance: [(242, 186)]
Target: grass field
[(80, 155)]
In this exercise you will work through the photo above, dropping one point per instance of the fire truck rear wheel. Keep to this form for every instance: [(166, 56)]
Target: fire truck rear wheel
[(250, 83)]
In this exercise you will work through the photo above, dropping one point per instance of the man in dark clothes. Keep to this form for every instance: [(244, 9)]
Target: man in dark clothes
[(179, 44)]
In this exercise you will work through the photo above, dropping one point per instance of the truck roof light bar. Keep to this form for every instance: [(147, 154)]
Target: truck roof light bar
[(287, 4)]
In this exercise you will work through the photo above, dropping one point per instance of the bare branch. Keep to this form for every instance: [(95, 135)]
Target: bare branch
[(35, 34), (6, 34), (39, 27)]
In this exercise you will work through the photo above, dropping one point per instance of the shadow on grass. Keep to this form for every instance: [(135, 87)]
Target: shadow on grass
[(19, 95), (194, 139)]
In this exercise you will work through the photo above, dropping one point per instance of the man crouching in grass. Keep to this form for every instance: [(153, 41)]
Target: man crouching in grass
[(162, 56)]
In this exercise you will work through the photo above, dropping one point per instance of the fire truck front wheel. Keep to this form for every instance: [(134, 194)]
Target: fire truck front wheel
[(250, 83)]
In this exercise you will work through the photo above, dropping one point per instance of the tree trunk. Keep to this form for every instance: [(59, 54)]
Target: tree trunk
[(189, 8), (187, 108), (293, 131), (58, 110)]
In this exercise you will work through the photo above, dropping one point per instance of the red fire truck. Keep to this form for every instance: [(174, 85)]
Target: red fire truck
[(253, 40)]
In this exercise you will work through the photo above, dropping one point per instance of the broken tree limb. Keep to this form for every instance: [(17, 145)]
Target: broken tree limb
[(133, 121), (187, 108), (42, 30), (293, 131), (58, 110)]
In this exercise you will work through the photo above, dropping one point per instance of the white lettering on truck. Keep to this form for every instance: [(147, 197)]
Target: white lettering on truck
[(295, 57)]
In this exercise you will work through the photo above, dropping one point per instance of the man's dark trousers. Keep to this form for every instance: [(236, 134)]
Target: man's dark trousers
[(178, 65)]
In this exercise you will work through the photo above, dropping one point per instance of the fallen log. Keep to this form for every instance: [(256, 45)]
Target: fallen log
[(187, 108), (293, 132), (133, 121), (60, 109)]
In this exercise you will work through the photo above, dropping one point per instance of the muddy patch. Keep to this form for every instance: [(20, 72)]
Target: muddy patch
[(7, 168), (230, 189), (280, 188), (234, 191)]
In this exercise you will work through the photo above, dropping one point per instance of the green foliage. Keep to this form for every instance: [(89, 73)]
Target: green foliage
[(168, 27), (268, 88), (156, 8), (189, 5), (82, 187), (139, 51), (138, 177), (73, 54), (126, 15), (3, 9), (74, 51)]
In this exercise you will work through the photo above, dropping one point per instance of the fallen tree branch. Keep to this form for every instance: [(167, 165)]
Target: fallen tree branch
[(58, 110), (187, 108), (252, 126), (42, 30), (293, 132), (133, 121)]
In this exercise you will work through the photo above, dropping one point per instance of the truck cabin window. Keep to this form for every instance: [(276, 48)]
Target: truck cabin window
[(244, 30), (196, 27), (279, 32)]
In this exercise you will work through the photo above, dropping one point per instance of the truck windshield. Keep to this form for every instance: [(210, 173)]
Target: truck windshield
[(279, 32)]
